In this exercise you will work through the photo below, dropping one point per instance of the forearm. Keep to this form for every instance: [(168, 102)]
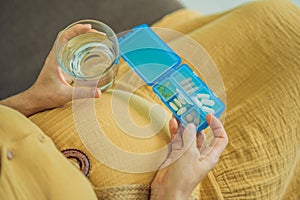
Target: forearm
[(23, 102), (162, 193), (166, 196)]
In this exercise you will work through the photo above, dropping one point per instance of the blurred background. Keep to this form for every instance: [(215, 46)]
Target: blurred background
[(214, 6), (29, 28)]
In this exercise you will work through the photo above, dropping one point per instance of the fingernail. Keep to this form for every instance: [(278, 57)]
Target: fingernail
[(208, 118), (95, 92), (87, 25), (174, 119), (98, 93)]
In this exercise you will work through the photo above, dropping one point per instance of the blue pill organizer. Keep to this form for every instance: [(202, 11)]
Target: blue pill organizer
[(177, 86)]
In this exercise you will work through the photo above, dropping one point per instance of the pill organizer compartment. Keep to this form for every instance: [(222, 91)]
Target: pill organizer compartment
[(166, 89), (193, 116), (203, 100), (198, 91), (176, 85), (186, 78), (209, 100), (177, 107)]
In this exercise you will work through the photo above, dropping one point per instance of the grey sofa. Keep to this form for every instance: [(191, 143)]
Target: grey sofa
[(28, 30)]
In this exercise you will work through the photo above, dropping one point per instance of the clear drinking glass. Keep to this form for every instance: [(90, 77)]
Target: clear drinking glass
[(89, 56)]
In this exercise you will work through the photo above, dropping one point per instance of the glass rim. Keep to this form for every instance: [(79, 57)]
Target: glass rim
[(86, 21)]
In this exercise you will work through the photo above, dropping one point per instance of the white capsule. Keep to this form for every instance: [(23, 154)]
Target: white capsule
[(199, 104), (195, 99), (180, 95), (177, 103), (181, 99), (191, 91), (203, 96), (208, 110), (173, 106), (188, 86), (181, 111), (207, 102), (185, 81)]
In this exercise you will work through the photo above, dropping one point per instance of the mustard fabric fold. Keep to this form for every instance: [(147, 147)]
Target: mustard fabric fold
[(31, 167)]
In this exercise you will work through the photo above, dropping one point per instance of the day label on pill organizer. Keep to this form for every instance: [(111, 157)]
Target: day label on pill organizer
[(176, 85)]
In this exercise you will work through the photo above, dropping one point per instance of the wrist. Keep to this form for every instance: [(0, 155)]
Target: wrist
[(165, 194), (177, 195), (25, 102), (32, 103)]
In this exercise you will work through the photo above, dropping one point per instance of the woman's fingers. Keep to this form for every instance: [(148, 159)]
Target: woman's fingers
[(68, 34), (173, 127), (84, 92), (201, 141), (217, 146), (189, 137), (184, 140), (176, 146), (177, 141), (76, 30)]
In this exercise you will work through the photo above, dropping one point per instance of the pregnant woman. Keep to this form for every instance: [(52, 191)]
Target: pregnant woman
[(256, 48)]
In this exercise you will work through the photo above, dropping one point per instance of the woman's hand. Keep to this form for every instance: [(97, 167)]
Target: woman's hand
[(52, 87), (189, 161)]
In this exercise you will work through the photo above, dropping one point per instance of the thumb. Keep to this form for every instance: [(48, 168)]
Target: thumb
[(189, 137), (86, 92)]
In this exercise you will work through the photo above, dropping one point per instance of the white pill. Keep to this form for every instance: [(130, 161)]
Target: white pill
[(181, 99), (181, 96), (197, 121), (207, 102), (188, 86), (199, 104), (193, 113), (191, 91), (173, 106), (177, 103), (185, 81), (181, 111), (189, 118), (203, 96), (195, 99), (208, 110)]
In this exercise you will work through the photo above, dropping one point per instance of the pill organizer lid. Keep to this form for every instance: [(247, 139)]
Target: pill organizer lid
[(147, 54)]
